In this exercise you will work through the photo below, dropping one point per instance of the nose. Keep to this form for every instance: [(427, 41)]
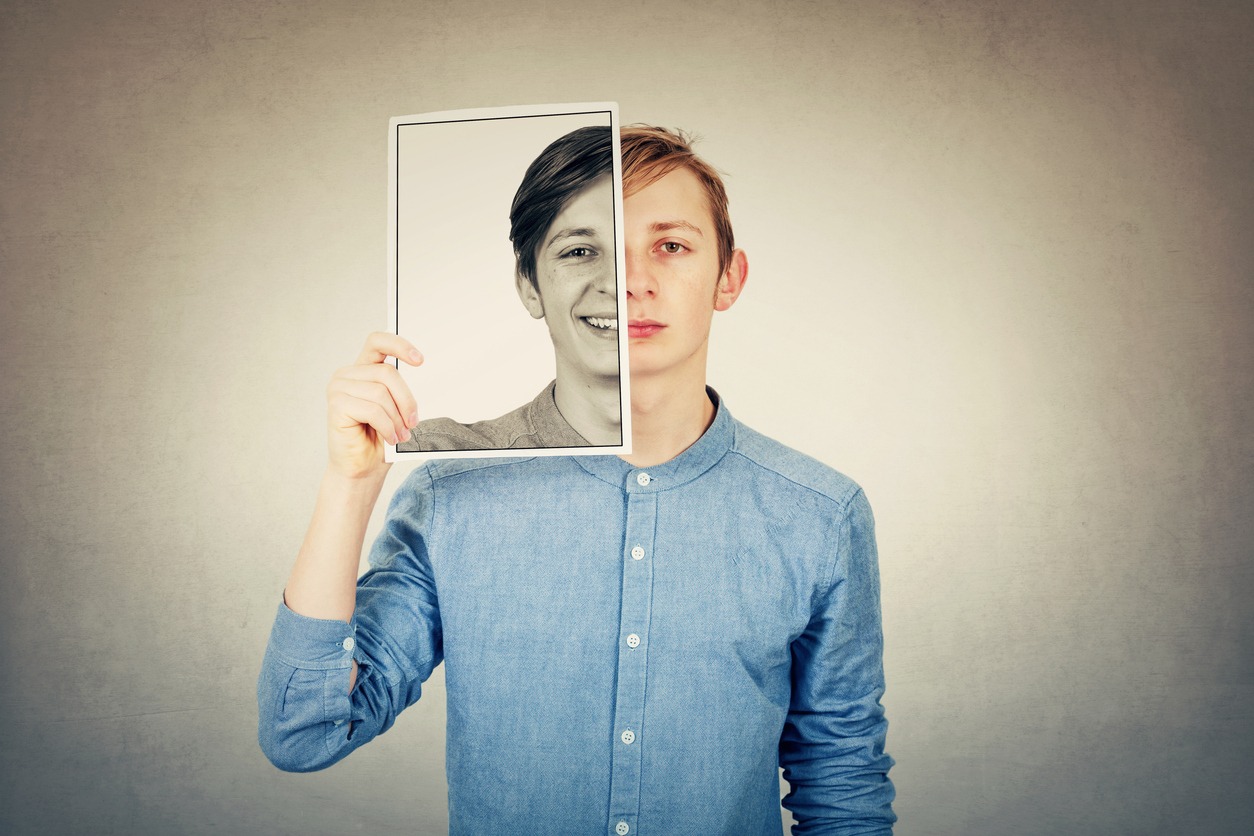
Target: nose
[(641, 283), (604, 281)]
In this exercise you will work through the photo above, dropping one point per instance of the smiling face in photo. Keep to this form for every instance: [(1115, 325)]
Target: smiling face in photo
[(574, 289)]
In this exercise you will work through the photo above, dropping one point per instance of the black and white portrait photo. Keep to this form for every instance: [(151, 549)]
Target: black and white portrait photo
[(505, 274)]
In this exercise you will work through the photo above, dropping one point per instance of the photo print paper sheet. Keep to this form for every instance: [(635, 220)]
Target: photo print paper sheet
[(506, 270)]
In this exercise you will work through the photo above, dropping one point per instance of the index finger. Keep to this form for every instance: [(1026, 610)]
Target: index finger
[(381, 345)]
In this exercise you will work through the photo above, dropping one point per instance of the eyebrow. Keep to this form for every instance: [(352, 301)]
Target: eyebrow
[(666, 226), (571, 232)]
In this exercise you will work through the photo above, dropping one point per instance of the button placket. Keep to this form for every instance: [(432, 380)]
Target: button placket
[(636, 602)]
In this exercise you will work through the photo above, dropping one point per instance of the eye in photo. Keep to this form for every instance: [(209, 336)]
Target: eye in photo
[(506, 266)]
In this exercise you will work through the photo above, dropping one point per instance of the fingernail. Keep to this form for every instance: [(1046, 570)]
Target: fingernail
[(416, 356), (413, 419)]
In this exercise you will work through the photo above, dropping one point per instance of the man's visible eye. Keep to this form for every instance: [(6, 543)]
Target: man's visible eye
[(579, 252), (672, 247)]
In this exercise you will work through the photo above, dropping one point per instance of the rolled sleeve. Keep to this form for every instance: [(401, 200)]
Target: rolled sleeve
[(302, 694), (307, 717), (832, 747)]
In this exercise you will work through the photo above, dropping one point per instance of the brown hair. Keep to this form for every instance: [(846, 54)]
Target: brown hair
[(650, 153)]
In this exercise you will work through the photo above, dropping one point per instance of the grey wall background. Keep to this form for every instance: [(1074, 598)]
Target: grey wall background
[(1000, 274)]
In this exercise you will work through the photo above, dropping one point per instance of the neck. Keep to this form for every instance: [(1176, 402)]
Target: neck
[(667, 418), (590, 407)]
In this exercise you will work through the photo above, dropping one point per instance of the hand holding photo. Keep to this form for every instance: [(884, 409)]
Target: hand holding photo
[(506, 258)]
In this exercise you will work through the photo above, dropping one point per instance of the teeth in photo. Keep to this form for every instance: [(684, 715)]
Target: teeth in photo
[(610, 324)]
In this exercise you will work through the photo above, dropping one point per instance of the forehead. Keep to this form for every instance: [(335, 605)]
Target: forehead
[(676, 196), (594, 201)]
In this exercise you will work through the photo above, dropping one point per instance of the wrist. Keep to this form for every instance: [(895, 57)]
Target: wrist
[(354, 489)]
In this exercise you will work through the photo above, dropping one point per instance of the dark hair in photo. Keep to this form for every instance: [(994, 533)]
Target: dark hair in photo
[(553, 178)]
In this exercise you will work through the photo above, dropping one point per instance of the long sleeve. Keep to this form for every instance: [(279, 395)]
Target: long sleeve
[(832, 747), (307, 718)]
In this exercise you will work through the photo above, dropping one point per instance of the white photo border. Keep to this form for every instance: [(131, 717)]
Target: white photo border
[(501, 113)]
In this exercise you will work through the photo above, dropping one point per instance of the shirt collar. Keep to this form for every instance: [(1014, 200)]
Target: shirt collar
[(688, 465), (549, 424)]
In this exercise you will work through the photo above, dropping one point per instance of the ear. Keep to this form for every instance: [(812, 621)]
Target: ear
[(529, 295), (732, 281)]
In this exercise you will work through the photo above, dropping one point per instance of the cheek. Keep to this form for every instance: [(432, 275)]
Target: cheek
[(571, 280), (700, 290), (578, 270)]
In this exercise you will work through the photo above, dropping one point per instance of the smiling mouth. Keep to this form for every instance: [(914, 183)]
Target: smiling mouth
[(601, 323)]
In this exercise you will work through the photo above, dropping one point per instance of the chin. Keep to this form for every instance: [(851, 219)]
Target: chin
[(601, 372), (643, 368), (608, 377), (601, 366)]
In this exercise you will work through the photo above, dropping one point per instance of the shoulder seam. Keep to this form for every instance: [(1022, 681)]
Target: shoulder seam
[(842, 503)]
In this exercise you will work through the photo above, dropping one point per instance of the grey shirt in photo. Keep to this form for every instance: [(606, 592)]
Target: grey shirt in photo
[(532, 425)]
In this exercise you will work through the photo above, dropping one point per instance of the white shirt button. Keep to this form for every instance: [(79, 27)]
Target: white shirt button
[(643, 479), (621, 828), (633, 640), (348, 644), (628, 737), (637, 553)]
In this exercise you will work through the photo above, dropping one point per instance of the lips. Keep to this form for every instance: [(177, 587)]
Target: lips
[(639, 328)]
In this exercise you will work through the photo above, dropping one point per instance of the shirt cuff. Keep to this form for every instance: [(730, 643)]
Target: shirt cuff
[(320, 644)]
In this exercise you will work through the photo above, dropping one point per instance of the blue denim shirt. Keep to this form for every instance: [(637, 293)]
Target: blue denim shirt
[(626, 650)]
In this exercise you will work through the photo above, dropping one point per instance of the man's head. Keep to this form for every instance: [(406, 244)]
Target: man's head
[(682, 264), (650, 153), (567, 166)]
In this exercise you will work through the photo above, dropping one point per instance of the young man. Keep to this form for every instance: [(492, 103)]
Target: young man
[(630, 645), (562, 228)]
